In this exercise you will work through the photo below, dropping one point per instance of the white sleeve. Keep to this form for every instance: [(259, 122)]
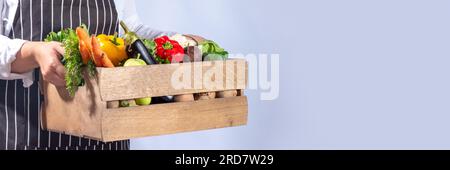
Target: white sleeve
[(8, 50), (128, 14)]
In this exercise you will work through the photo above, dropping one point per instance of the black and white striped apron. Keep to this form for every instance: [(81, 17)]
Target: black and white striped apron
[(19, 106)]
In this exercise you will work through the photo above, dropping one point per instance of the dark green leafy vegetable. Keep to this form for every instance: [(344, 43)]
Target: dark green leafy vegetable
[(151, 46), (72, 59), (57, 36)]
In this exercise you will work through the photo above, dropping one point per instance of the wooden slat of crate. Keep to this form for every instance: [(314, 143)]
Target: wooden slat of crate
[(126, 123), (78, 116), (136, 82)]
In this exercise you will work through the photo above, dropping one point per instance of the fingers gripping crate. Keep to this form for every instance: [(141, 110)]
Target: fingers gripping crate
[(87, 115)]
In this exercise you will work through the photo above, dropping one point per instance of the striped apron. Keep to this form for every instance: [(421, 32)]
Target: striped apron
[(20, 125)]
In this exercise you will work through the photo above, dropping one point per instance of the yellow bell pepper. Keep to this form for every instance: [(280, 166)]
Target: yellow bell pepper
[(114, 47)]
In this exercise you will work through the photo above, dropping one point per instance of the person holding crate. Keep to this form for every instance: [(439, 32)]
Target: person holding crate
[(23, 55)]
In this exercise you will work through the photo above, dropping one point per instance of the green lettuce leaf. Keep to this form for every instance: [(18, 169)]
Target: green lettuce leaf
[(212, 51)]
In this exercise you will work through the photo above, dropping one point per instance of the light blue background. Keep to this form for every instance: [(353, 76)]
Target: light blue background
[(355, 74)]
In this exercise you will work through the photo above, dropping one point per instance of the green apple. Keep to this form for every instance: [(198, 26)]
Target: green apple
[(143, 101), (138, 62), (134, 62)]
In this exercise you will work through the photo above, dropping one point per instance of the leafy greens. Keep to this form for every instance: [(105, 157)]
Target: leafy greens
[(72, 59)]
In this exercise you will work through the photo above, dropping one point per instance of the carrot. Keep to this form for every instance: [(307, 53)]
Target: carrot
[(99, 55), (106, 61), (83, 36), (97, 52), (85, 45), (85, 53)]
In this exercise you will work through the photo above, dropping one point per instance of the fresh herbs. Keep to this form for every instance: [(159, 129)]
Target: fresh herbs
[(72, 59), (151, 45)]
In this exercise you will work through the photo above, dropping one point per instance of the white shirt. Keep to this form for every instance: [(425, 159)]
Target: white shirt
[(126, 10)]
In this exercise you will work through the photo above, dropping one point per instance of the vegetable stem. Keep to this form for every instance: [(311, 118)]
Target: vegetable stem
[(114, 40), (125, 27)]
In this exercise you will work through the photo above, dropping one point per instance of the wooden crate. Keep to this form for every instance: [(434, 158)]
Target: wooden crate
[(87, 115)]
